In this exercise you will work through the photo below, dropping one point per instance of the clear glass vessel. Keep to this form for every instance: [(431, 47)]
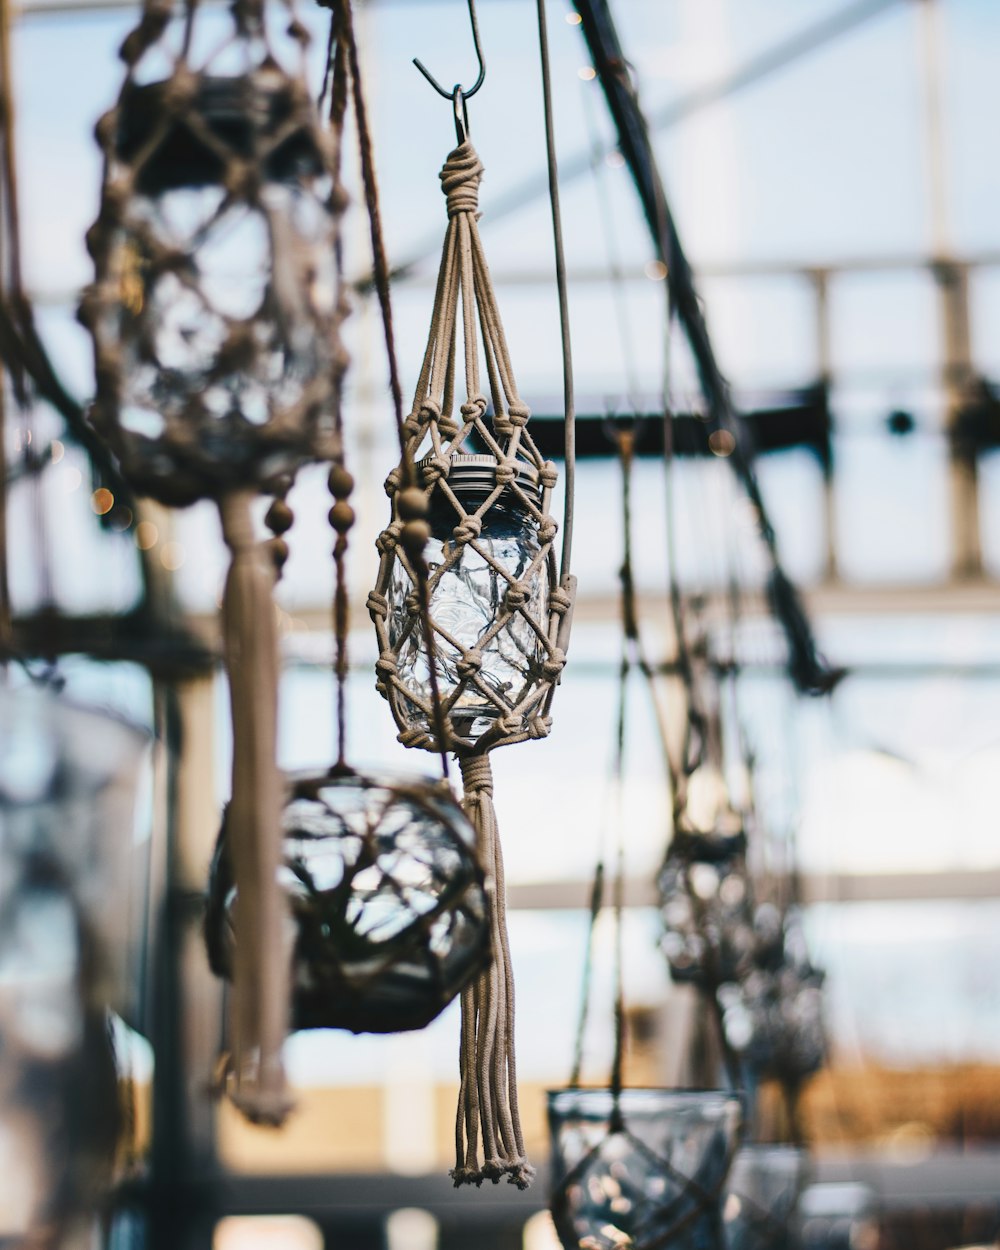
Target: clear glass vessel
[(387, 899), (708, 924), (761, 1197), (650, 1176), (214, 298), (467, 594)]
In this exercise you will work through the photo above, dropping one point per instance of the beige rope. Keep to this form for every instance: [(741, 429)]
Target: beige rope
[(487, 1102), (260, 974)]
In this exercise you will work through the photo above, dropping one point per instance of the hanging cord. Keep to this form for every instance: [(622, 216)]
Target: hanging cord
[(569, 402), (343, 20), (341, 483)]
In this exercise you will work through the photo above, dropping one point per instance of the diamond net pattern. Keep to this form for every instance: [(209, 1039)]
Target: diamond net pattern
[(214, 311)]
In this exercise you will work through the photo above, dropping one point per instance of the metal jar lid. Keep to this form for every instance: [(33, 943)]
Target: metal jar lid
[(475, 476)]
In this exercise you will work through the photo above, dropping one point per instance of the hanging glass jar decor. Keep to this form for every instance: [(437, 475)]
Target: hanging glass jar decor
[(68, 780), (706, 908), (472, 615), (387, 899), (762, 1194), (213, 305), (773, 1018), (644, 1168), (214, 315)]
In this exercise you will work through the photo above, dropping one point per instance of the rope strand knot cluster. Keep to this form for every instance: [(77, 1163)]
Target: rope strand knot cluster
[(460, 179)]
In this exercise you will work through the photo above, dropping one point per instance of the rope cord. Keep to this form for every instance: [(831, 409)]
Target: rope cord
[(382, 287), (569, 404), (336, 78)]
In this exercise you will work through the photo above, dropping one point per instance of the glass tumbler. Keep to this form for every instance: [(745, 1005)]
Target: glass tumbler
[(649, 1176)]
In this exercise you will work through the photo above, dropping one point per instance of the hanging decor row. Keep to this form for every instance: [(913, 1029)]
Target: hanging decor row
[(215, 320)]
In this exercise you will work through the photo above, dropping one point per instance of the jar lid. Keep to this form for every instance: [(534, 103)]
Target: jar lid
[(477, 475), (244, 113)]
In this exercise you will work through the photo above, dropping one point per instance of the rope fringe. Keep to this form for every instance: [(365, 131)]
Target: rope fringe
[(260, 996), (487, 1102)]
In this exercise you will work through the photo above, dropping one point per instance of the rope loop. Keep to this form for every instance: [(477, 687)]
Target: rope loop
[(474, 406), (505, 473), (470, 664), (547, 530), (412, 737), (548, 475), (477, 774), (469, 529), (385, 665), (393, 482), (560, 600), (388, 540), (516, 597), (555, 664), (518, 414), (539, 727), (460, 179), (378, 606), (433, 469)]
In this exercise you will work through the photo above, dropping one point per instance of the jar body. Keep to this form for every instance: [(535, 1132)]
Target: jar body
[(469, 587), (654, 1181)]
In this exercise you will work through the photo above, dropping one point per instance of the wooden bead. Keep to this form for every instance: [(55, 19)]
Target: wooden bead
[(412, 504), (415, 537), (278, 550), (341, 516), (279, 517), (340, 481)]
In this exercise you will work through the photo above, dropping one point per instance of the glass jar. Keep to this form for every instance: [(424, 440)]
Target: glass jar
[(650, 1176), (467, 595), (387, 901), (761, 1197), (708, 923), (212, 309)]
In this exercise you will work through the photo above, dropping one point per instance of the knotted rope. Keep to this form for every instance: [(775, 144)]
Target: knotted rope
[(260, 975), (487, 1101)]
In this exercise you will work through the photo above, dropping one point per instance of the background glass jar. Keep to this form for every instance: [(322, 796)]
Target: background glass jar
[(470, 591), (646, 1170)]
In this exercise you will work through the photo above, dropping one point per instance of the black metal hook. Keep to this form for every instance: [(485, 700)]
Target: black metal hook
[(458, 94)]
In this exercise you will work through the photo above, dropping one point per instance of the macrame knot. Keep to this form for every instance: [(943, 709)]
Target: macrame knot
[(469, 529), (501, 425), (393, 482), (378, 606), (512, 723), (413, 425), (388, 540), (429, 409), (180, 89), (539, 727), (548, 475), (477, 774), (505, 474), (448, 427), (470, 664), (560, 600), (555, 664), (474, 406), (460, 179), (412, 603), (414, 738), (547, 530), (385, 665), (518, 414), (516, 597), (433, 469)]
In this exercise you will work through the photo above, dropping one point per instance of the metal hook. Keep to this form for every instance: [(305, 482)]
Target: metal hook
[(458, 93)]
